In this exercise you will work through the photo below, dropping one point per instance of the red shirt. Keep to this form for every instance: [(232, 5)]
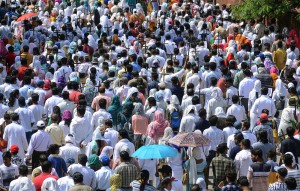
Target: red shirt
[(21, 72), (10, 59), (38, 181), (74, 95)]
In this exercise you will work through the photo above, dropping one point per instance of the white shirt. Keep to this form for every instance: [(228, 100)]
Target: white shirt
[(50, 103), (21, 184), (66, 105), (242, 162), (100, 114), (42, 94), (237, 111), (89, 177), (103, 176), (246, 85), (8, 172), (111, 135), (26, 118), (65, 183), (69, 151), (14, 134), (64, 127), (3, 110), (40, 141), (120, 145), (215, 135), (248, 135), (82, 130), (228, 131), (187, 124), (37, 111), (264, 102)]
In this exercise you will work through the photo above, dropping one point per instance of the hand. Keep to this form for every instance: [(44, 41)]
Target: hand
[(221, 184)]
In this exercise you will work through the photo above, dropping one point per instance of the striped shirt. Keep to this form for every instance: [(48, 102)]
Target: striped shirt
[(277, 186), (295, 174)]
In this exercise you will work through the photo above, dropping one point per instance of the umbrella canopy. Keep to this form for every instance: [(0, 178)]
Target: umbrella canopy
[(189, 140), (155, 152), (26, 16)]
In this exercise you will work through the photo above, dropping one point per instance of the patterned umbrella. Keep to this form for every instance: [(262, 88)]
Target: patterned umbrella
[(189, 140)]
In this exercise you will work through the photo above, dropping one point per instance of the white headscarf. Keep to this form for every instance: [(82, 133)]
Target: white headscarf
[(188, 110), (132, 91), (92, 43), (168, 134), (174, 103), (107, 151)]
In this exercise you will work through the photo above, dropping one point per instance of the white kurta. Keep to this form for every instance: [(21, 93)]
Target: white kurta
[(82, 130)]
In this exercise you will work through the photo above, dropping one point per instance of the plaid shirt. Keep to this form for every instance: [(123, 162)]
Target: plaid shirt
[(128, 172), (220, 165)]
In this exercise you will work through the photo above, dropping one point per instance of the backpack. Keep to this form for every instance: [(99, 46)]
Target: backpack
[(175, 120)]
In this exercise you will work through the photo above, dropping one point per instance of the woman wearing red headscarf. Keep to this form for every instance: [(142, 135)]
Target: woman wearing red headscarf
[(157, 127)]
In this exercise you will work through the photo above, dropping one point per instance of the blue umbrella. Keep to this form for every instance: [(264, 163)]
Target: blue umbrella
[(155, 152)]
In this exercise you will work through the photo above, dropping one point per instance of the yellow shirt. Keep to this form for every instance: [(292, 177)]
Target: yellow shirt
[(279, 58), (56, 134)]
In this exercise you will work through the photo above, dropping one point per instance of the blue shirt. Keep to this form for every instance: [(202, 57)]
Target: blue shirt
[(59, 164), (136, 67)]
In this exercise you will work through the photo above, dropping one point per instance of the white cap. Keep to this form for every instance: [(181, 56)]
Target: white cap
[(40, 124)]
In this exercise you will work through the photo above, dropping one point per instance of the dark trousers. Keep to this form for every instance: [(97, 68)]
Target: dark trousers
[(35, 158), (28, 136), (209, 158)]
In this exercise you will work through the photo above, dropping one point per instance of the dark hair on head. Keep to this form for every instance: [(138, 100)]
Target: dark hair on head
[(213, 120), (152, 101), (246, 124), (291, 183), (144, 178), (12, 97), (65, 95), (43, 158), (195, 100), (102, 103), (108, 122), (46, 166), (243, 181), (246, 143), (26, 80), (6, 154), (35, 98), (53, 148), (190, 92), (290, 131), (213, 81), (124, 155), (82, 159), (22, 101), (288, 159), (81, 110), (263, 136), (235, 99), (165, 183), (55, 91), (124, 134), (77, 177), (231, 175), (14, 116), (23, 170), (230, 120), (257, 152), (264, 91)]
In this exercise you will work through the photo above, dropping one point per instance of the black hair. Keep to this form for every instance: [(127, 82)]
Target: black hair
[(257, 152), (213, 120), (23, 170), (77, 177), (291, 183), (246, 143), (144, 178), (53, 148), (82, 159), (46, 166)]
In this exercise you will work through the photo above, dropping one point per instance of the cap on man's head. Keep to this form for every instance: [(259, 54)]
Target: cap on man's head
[(40, 124), (263, 116), (165, 169), (14, 149), (104, 160)]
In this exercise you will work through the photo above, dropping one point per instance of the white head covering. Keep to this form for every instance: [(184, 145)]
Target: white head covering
[(70, 139), (174, 103), (92, 43), (107, 151), (50, 184), (132, 91), (189, 109), (201, 183), (168, 134)]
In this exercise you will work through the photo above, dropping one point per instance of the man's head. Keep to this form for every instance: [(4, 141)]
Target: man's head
[(230, 176), (288, 160), (291, 183), (238, 138), (6, 156), (213, 120), (246, 144), (256, 155), (77, 177), (222, 148), (82, 159), (245, 125), (81, 110), (47, 167), (108, 123), (290, 132), (235, 99), (22, 101), (54, 118), (102, 103), (41, 125), (281, 173), (124, 156), (15, 117), (23, 170), (165, 171)]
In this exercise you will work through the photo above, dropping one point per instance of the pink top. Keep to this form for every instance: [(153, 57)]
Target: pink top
[(139, 124)]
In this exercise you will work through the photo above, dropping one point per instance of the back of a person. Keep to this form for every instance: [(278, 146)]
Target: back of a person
[(81, 187), (137, 184), (139, 124)]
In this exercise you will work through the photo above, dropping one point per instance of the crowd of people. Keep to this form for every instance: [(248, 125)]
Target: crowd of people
[(84, 84)]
